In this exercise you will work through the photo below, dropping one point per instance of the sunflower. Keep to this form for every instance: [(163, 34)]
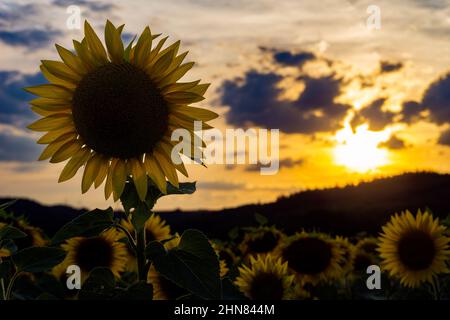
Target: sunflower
[(414, 249), (4, 253), (266, 278), (261, 240), (34, 236), (314, 257), (113, 111), (223, 265), (347, 253), (103, 250), (365, 254)]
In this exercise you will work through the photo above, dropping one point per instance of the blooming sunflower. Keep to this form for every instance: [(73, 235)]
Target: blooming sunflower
[(34, 238), (365, 254), (113, 111), (103, 250), (314, 257), (260, 241), (414, 249), (4, 253), (266, 278)]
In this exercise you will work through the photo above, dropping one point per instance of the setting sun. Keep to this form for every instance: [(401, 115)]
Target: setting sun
[(359, 151)]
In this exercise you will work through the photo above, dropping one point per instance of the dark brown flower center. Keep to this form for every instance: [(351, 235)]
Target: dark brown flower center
[(416, 250), (119, 112), (94, 252), (266, 286), (264, 243), (308, 255), (362, 260)]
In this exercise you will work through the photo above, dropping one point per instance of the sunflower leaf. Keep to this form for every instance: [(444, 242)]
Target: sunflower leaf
[(9, 232), (193, 265), (38, 259), (87, 225), (99, 285)]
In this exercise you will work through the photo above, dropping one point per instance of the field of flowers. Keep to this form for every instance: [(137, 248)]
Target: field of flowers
[(256, 263)]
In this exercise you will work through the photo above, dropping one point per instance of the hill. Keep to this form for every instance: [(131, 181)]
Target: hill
[(347, 210)]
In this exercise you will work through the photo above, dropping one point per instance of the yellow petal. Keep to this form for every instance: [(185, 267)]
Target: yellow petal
[(72, 166), (155, 172), (182, 122), (55, 80), (90, 172), (71, 60), (177, 74), (114, 43), (161, 65), (94, 44), (155, 52), (119, 177), (183, 97), (108, 183), (43, 102), (178, 164), (200, 89), (50, 150), (139, 178), (66, 151), (51, 91), (48, 112), (60, 70), (192, 112), (52, 122), (85, 55), (102, 172), (180, 86), (167, 166), (143, 48), (54, 135)]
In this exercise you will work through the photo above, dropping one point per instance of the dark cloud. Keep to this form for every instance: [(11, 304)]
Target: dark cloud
[(373, 114), (387, 66), (445, 138), (283, 164), (31, 38), (256, 101), (93, 5), (14, 109), (220, 185), (13, 12), (288, 58), (18, 148), (394, 143), (411, 111), (437, 100)]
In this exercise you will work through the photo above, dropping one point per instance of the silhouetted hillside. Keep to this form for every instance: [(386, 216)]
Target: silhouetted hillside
[(347, 210)]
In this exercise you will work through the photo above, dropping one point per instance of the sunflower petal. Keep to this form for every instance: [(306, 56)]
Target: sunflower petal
[(61, 70), (119, 177), (183, 97), (155, 172), (52, 122), (114, 43), (200, 89), (167, 166), (75, 163), (43, 102), (177, 74), (50, 150), (50, 91), (66, 151), (155, 52), (139, 178), (69, 84), (85, 55), (161, 65), (143, 48), (167, 149), (90, 172), (180, 86), (71, 60), (54, 135), (193, 112), (102, 172), (94, 44)]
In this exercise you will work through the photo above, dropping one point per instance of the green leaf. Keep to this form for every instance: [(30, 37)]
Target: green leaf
[(38, 259), (87, 225), (5, 205), (130, 198), (9, 232), (138, 291), (192, 265), (99, 285)]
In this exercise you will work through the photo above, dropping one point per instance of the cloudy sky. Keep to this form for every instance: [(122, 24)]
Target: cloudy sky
[(351, 102)]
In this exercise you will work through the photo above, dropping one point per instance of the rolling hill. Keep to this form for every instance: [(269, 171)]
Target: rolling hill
[(347, 210)]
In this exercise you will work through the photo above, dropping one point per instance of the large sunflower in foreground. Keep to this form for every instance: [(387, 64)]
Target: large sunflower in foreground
[(88, 253), (113, 111), (266, 278), (414, 249), (314, 257)]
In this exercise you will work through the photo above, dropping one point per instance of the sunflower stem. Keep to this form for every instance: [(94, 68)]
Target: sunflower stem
[(140, 254), (11, 285)]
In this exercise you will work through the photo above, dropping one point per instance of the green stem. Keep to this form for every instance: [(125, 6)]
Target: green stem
[(11, 285), (140, 254), (435, 287), (129, 236)]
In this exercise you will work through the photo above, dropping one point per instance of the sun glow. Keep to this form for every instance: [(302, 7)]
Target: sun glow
[(359, 150)]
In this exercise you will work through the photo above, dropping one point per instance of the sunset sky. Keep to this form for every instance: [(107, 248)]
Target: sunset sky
[(351, 103)]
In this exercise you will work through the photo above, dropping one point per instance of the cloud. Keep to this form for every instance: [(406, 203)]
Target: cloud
[(18, 148), (256, 101), (92, 5), (387, 66), (445, 138), (13, 12), (14, 109), (394, 143), (31, 38), (411, 111), (293, 59), (374, 116), (286, 163), (437, 100), (220, 185)]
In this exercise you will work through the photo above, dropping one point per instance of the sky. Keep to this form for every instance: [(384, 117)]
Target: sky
[(352, 100)]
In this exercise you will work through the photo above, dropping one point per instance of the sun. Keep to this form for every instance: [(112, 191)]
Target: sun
[(358, 150)]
